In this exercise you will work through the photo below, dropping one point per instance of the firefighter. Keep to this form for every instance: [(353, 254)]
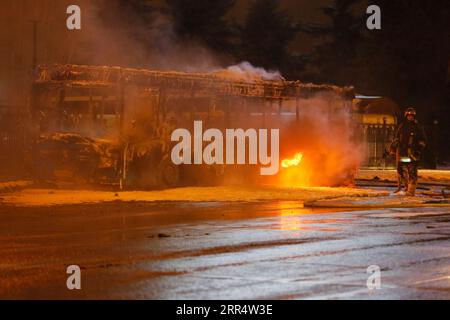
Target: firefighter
[(408, 145)]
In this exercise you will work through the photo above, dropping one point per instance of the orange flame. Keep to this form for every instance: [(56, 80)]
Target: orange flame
[(294, 162)]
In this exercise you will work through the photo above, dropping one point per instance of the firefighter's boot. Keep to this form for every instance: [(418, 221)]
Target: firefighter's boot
[(399, 185), (411, 192)]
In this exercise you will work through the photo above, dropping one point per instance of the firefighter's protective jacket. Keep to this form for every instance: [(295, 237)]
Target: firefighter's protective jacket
[(410, 140)]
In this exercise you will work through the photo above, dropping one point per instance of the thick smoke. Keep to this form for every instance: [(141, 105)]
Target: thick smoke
[(117, 37), (325, 135), (246, 71)]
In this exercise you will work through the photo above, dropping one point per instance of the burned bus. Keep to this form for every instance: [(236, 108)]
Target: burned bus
[(113, 125)]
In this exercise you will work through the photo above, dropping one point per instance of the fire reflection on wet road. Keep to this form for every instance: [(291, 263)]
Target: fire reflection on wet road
[(260, 250)]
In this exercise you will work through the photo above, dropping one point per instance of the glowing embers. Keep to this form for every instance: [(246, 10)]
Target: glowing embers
[(294, 162)]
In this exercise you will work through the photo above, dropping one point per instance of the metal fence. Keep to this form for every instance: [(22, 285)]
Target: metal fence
[(377, 139)]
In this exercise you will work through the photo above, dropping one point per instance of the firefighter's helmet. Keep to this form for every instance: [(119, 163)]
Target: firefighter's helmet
[(410, 111)]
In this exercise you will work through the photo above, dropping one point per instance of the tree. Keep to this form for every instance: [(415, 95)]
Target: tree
[(134, 16), (417, 38), (334, 55), (407, 60), (413, 49), (266, 35), (204, 22)]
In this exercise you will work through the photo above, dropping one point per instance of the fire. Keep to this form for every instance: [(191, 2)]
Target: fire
[(294, 162), (296, 175)]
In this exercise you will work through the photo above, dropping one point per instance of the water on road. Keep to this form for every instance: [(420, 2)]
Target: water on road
[(239, 250)]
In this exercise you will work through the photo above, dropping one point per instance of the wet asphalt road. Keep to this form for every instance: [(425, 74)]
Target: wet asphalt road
[(270, 250)]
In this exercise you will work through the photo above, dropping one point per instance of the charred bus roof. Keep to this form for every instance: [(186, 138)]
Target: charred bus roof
[(219, 83)]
